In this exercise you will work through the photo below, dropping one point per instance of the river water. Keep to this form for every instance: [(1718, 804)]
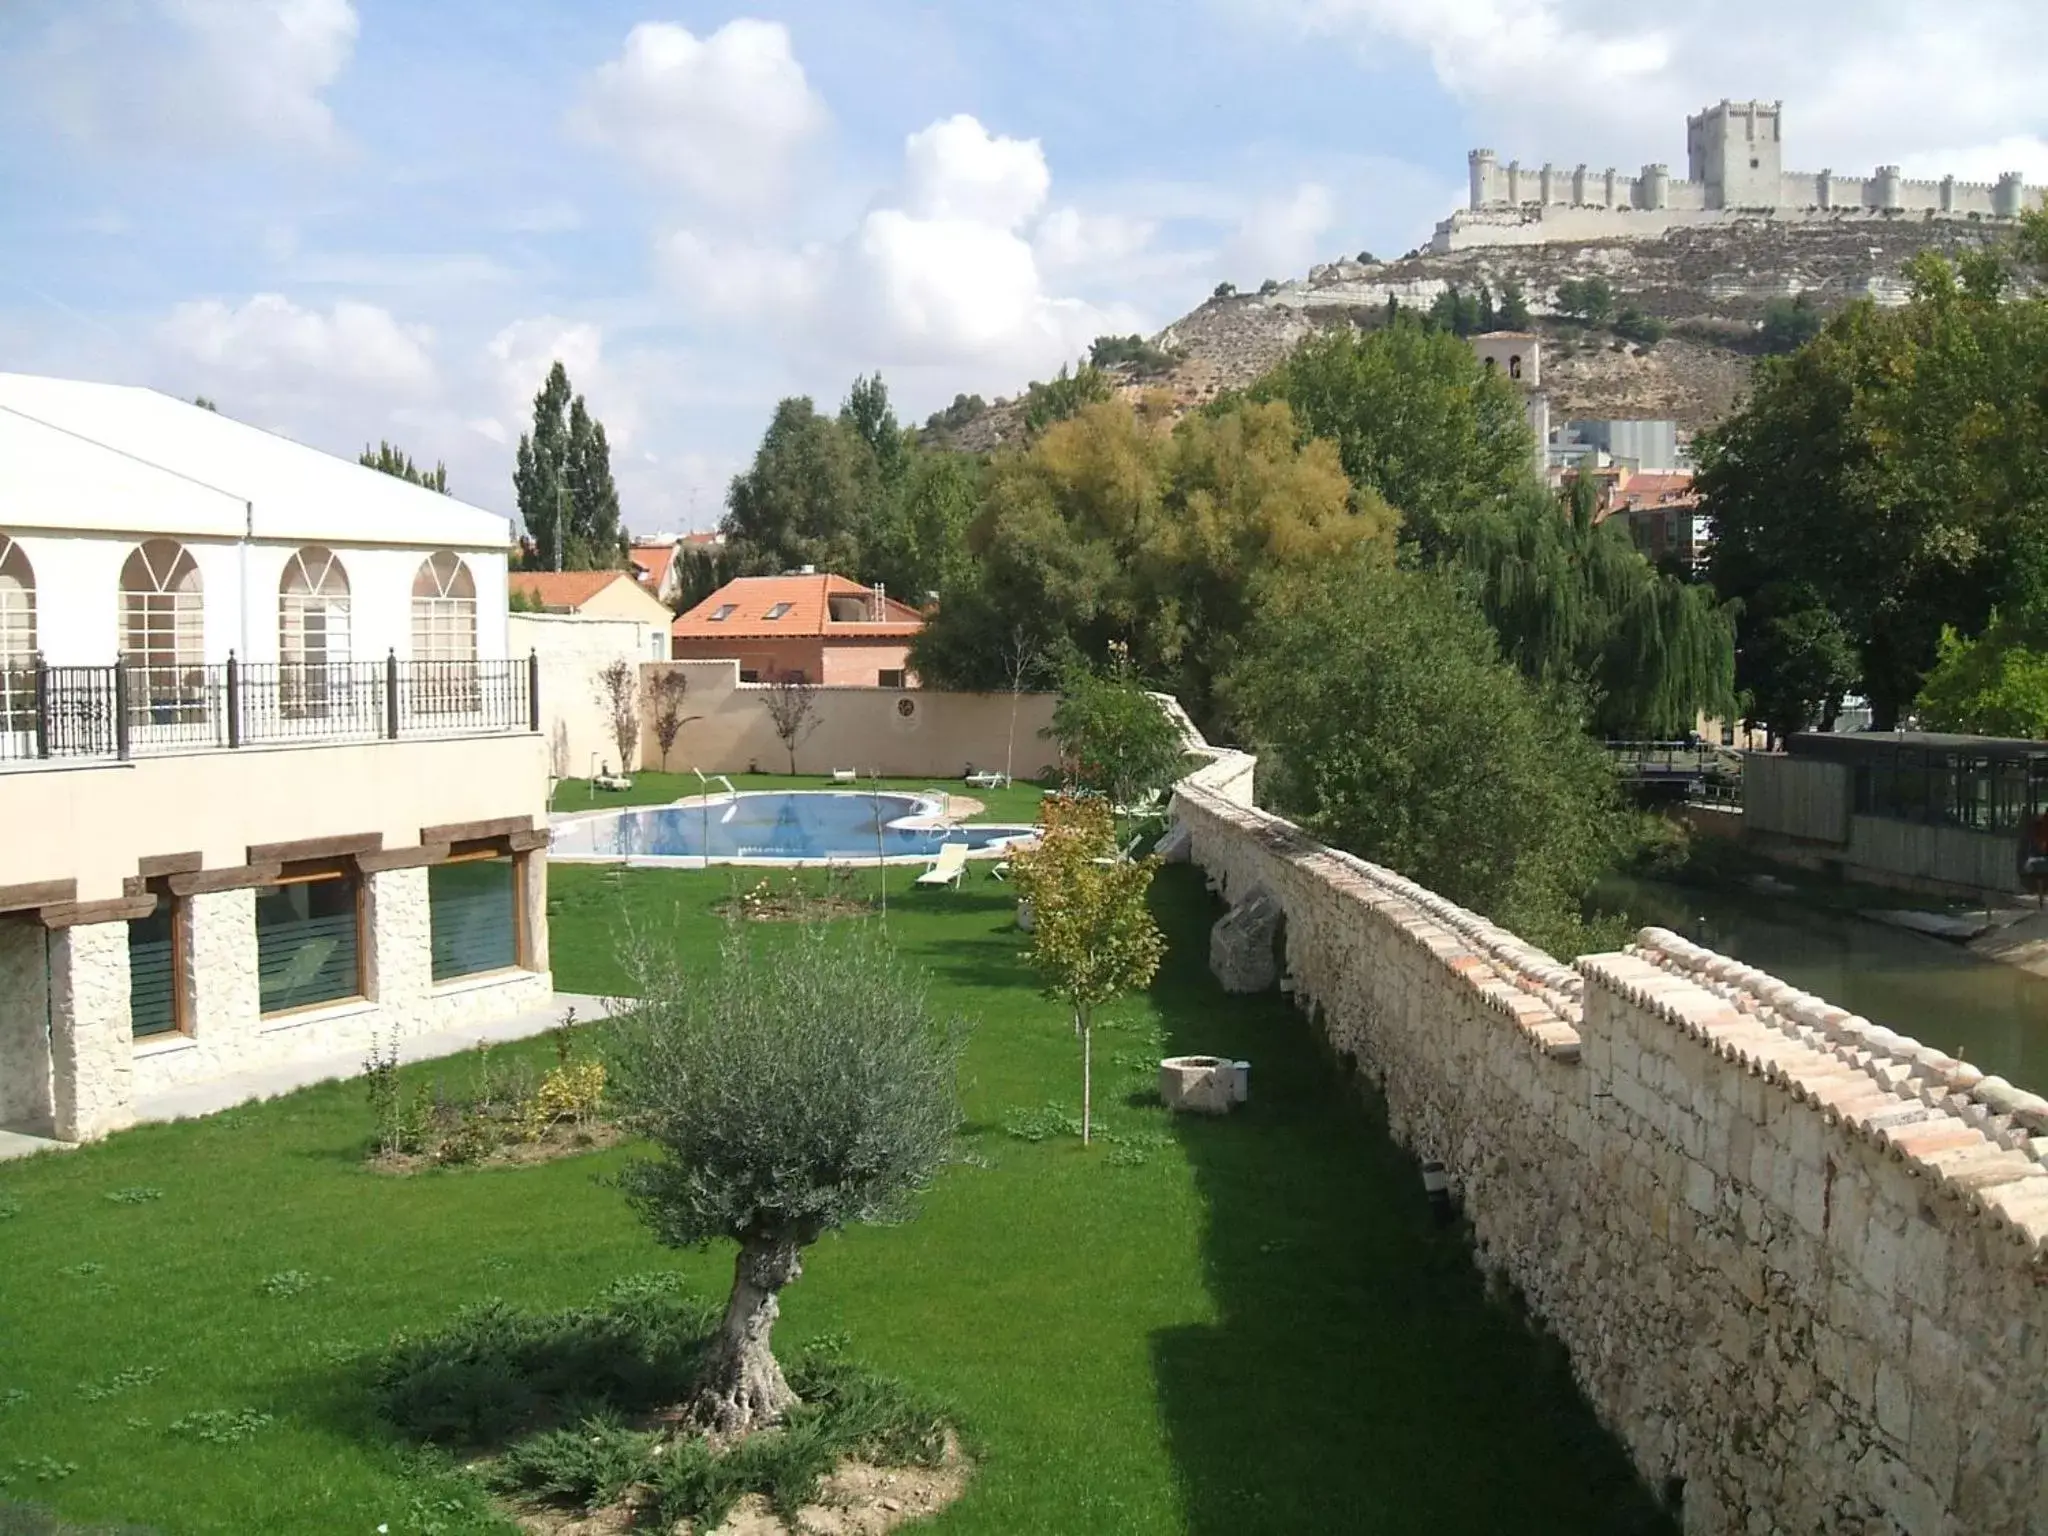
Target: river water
[(1992, 1015)]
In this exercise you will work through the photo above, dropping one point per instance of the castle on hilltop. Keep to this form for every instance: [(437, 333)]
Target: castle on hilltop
[(1734, 170)]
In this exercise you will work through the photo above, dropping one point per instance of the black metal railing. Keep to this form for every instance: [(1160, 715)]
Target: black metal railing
[(139, 710)]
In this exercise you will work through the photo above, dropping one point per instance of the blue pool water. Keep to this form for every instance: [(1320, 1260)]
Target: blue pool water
[(808, 824)]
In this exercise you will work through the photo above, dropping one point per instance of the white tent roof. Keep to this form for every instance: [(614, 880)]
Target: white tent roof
[(119, 458)]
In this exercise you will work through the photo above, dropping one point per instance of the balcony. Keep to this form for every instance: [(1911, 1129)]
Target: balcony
[(51, 716)]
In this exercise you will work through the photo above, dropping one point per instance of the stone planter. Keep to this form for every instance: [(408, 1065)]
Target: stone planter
[(1024, 918), (1199, 1085)]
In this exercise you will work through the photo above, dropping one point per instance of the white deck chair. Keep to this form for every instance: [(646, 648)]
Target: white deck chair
[(845, 775), (948, 867)]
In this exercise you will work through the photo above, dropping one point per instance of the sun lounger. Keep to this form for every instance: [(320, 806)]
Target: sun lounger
[(948, 867), (988, 781), (845, 775)]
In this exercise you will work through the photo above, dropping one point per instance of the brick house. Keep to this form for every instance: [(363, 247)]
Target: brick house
[(828, 629)]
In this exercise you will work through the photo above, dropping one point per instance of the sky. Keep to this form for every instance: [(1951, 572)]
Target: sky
[(357, 220)]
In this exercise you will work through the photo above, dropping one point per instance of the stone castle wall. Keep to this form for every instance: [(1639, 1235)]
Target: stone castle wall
[(1800, 1263)]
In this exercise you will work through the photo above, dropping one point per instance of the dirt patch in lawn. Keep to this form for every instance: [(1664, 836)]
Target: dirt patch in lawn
[(556, 1142), (859, 1499), (781, 908)]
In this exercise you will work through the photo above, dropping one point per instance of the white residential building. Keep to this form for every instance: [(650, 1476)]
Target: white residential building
[(271, 783)]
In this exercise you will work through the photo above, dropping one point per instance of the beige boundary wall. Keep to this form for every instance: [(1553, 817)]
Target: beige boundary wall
[(571, 650), (896, 732), (1800, 1263)]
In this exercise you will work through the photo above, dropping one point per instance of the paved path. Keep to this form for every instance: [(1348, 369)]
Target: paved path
[(285, 1077)]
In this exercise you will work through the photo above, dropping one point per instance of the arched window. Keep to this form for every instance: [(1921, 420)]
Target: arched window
[(312, 630), (1514, 367), (163, 633), (17, 639), (444, 610), (312, 610)]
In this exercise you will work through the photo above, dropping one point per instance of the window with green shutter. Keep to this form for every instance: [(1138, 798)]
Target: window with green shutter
[(154, 1007), (474, 909)]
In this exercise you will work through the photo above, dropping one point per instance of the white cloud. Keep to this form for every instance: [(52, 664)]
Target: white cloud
[(276, 343), (192, 73), (957, 170), (1280, 237), (1602, 81), (723, 116), (1069, 240), (741, 282), (516, 364)]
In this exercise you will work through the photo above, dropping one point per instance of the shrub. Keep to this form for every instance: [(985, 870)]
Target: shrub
[(1112, 734), (588, 1464), (1645, 330), (1224, 291), (493, 1371)]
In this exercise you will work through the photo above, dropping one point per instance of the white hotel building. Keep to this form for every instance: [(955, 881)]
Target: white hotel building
[(270, 782)]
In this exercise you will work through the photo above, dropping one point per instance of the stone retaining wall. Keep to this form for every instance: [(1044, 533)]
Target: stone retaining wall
[(1800, 1263)]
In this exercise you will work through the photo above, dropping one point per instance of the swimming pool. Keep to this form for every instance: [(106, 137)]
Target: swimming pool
[(793, 826)]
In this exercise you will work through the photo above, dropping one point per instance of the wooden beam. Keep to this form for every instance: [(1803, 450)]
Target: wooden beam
[(205, 882), (401, 858), (307, 849), (39, 893), (156, 864), (476, 831), (71, 914)]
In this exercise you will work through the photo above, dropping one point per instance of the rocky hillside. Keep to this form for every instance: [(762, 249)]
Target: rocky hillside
[(1709, 286)]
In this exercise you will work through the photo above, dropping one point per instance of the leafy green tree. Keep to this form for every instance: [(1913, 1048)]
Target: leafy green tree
[(1063, 395), (1574, 602), (1993, 685), (1590, 299), (955, 416), (1898, 465), (1417, 421), (1113, 351), (921, 547), (1113, 735), (1224, 291), (1388, 723), (563, 479), (1633, 324), (1796, 662), (867, 413), (1514, 307), (1109, 527), (393, 461), (786, 1094), (1789, 324), (1092, 934), (807, 497)]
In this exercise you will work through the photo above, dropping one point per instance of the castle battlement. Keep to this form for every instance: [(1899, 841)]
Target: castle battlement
[(1734, 168)]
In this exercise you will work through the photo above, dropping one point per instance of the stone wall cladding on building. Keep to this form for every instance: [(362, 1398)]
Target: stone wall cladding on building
[(1799, 1262), (91, 1056), (230, 1033), (24, 1028)]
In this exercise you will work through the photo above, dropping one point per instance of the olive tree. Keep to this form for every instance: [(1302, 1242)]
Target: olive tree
[(787, 1093)]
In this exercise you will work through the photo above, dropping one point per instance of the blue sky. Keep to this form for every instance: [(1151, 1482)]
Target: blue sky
[(354, 219)]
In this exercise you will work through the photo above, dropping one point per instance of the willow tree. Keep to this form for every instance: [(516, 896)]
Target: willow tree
[(1574, 601), (785, 1095)]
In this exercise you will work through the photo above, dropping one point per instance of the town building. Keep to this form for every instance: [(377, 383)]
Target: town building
[(270, 776), (1518, 357), (821, 628), (596, 595)]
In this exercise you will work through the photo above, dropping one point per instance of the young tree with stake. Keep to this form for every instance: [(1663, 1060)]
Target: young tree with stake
[(670, 689), (787, 1095), (1092, 935), (792, 702), (618, 690)]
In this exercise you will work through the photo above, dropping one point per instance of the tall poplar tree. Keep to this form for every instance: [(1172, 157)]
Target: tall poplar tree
[(397, 463), (563, 479)]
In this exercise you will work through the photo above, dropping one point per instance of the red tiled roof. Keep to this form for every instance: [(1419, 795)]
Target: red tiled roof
[(562, 589), (653, 561), (808, 615)]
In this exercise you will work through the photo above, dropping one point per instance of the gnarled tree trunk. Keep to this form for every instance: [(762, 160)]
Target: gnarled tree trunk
[(740, 1386)]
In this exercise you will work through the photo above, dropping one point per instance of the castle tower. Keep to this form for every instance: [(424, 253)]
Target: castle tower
[(1734, 148), (1653, 187), (1887, 187), (1485, 171), (2009, 197)]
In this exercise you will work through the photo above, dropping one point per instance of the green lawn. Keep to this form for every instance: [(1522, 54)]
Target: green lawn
[(1017, 803), (1249, 1325)]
